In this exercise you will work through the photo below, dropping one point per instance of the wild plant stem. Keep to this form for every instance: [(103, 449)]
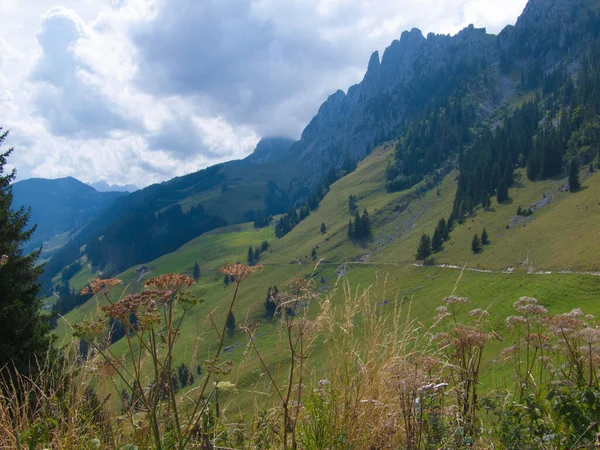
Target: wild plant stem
[(222, 341)]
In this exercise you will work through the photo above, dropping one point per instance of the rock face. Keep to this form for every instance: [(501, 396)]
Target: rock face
[(269, 149), (414, 69)]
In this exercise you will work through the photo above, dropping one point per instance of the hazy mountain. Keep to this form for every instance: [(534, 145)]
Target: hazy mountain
[(58, 206), (103, 186)]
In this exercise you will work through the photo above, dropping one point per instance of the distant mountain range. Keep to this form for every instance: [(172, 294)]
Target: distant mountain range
[(58, 206), (103, 186)]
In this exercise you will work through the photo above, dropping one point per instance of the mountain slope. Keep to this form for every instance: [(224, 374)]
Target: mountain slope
[(58, 206), (158, 219), (460, 82), (558, 237)]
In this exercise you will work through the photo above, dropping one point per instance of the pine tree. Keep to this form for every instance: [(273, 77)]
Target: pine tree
[(313, 254), (350, 230), (443, 228), (357, 226), (22, 327), (437, 241), (502, 191), (256, 254), (424, 248), (574, 184), (475, 244), (484, 237), (450, 224), (365, 224), (508, 173), (323, 228), (250, 256), (196, 271), (230, 324)]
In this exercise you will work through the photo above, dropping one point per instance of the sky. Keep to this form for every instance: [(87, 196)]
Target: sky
[(140, 91)]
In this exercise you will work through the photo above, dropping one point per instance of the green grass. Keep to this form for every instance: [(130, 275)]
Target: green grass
[(560, 236)]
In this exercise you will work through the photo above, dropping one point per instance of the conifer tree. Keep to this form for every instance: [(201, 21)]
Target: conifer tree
[(196, 271), (443, 228), (350, 230), (450, 224), (230, 324), (357, 226), (22, 327), (256, 254), (424, 248), (365, 224), (313, 253), (484, 237), (508, 173), (502, 191), (574, 184), (250, 256), (475, 244), (437, 241), (323, 228)]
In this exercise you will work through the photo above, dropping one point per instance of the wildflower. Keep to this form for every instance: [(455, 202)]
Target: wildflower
[(577, 312), (563, 323), (538, 340), (169, 281), (324, 382), (3, 260), (239, 272), (122, 308), (98, 285), (467, 336), (454, 300), (513, 321), (482, 313), (533, 310), (590, 335), (524, 301)]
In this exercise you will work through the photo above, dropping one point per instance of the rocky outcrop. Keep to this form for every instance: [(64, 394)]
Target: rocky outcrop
[(415, 69), (270, 149)]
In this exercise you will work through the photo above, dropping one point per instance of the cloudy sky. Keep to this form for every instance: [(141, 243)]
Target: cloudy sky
[(139, 91)]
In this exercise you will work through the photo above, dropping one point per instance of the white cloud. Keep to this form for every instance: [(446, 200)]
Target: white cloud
[(138, 91)]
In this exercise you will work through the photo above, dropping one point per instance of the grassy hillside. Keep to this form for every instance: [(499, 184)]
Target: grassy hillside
[(561, 236)]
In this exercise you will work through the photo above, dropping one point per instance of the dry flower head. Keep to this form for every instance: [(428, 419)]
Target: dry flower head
[(239, 272), (98, 285)]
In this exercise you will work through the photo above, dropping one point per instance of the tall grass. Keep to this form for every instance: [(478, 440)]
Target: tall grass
[(390, 380)]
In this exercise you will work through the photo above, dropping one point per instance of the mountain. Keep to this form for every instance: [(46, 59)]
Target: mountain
[(59, 205), (103, 186), (429, 95), (417, 72), (159, 218), (270, 149)]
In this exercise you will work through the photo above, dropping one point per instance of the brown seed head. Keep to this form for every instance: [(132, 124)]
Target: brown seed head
[(590, 335), (98, 285), (467, 337), (169, 281), (239, 272), (479, 313), (454, 300)]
